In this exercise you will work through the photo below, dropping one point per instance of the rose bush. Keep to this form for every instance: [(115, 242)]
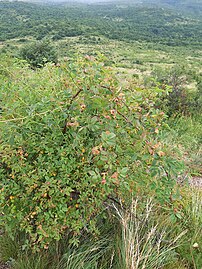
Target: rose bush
[(71, 140)]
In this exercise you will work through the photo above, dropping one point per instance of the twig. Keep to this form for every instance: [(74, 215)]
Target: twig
[(74, 96), (22, 118), (64, 130), (127, 120)]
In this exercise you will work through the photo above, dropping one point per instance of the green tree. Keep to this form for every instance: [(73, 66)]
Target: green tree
[(39, 53)]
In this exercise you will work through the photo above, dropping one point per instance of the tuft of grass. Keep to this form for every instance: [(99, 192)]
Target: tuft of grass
[(191, 250), (12, 254), (89, 255), (9, 249), (144, 243), (185, 132), (33, 261)]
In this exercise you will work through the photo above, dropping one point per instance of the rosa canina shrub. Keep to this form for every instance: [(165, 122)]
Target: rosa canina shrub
[(71, 140)]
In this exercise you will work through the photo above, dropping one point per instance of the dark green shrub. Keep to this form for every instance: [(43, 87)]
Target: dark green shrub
[(39, 53), (179, 99)]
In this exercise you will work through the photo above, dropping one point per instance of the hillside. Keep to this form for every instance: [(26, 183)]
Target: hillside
[(100, 141), (134, 23)]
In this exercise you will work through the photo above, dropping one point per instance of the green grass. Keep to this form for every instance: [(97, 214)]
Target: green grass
[(145, 241), (185, 132), (139, 237)]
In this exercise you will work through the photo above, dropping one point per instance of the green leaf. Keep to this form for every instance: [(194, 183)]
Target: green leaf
[(109, 138), (124, 171)]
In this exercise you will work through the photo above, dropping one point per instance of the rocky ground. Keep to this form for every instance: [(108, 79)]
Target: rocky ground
[(4, 266), (195, 182)]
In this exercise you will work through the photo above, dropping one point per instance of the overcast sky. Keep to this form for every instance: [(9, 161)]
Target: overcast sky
[(76, 1), (80, 0), (85, 1)]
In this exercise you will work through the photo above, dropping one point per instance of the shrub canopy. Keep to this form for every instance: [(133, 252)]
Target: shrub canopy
[(72, 140), (39, 53)]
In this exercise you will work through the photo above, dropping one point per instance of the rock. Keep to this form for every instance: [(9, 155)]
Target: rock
[(195, 182), (4, 266)]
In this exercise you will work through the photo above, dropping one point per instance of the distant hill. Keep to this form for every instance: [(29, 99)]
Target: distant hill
[(188, 6), (156, 21), (183, 5)]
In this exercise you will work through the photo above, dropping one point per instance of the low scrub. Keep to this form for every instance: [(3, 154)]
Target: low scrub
[(72, 139)]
